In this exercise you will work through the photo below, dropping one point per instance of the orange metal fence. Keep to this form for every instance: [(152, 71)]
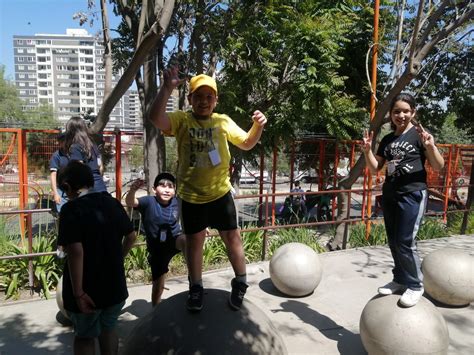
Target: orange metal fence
[(319, 163)]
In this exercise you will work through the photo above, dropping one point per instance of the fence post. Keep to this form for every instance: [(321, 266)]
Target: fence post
[(470, 192), (118, 164), (447, 183), (23, 179)]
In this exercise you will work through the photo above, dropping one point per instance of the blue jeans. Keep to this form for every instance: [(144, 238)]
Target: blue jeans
[(403, 214)]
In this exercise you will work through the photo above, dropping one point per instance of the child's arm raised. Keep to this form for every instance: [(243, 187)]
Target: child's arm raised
[(373, 162), (157, 114), (253, 136), (130, 199), (432, 153)]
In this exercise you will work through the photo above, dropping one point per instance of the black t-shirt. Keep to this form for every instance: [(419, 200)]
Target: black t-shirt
[(405, 158), (77, 153), (99, 222)]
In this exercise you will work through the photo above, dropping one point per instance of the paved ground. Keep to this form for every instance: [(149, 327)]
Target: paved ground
[(326, 322)]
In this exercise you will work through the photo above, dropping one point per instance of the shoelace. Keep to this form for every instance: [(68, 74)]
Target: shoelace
[(195, 295)]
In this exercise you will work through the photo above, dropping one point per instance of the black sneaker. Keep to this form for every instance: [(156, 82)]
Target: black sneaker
[(194, 303), (237, 294)]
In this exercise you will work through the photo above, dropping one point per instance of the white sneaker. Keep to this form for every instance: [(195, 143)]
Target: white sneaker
[(411, 297), (391, 288)]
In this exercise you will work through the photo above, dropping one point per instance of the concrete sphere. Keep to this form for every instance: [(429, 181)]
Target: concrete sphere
[(171, 329), (449, 276), (59, 298), (387, 328), (295, 269)]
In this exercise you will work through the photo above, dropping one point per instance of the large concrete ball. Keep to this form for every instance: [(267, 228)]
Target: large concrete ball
[(59, 298), (387, 328), (295, 269), (449, 276), (171, 329)]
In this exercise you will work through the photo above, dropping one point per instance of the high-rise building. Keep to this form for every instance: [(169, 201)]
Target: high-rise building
[(66, 71)]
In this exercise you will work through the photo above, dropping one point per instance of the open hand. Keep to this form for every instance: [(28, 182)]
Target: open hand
[(171, 78), (367, 141), (259, 118)]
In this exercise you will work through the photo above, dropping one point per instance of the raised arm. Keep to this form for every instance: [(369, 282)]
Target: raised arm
[(254, 134), (372, 161), (130, 199), (432, 153), (157, 114)]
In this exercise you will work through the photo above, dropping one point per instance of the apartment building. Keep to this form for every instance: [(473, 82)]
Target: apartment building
[(66, 71)]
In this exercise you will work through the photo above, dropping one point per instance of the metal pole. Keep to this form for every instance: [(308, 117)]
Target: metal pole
[(373, 105)]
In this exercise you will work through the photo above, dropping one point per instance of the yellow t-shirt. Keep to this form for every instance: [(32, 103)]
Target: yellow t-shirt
[(203, 154)]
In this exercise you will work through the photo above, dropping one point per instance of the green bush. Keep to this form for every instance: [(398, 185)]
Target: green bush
[(455, 221), (432, 228), (253, 244), (305, 236), (377, 235), (47, 269)]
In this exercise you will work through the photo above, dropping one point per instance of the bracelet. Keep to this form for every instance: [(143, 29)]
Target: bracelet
[(77, 297)]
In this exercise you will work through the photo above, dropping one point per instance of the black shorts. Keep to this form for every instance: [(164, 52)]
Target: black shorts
[(219, 214), (160, 255)]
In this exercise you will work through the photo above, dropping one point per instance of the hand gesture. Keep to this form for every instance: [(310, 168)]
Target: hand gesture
[(171, 78), (259, 118), (85, 303), (367, 141), (426, 138), (137, 184)]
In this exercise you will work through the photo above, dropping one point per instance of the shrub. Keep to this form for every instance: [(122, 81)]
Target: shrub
[(295, 235), (377, 235)]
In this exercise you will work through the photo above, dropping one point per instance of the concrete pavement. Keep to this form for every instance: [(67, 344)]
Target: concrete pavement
[(325, 322)]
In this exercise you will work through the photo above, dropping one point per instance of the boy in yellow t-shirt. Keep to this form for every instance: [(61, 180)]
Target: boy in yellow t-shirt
[(203, 179)]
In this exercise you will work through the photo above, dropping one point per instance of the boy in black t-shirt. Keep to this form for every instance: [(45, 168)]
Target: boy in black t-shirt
[(92, 227)]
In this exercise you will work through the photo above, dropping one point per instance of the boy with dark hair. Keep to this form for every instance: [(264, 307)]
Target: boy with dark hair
[(164, 237), (203, 176), (92, 227)]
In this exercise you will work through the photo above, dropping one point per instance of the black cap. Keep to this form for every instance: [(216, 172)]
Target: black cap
[(164, 176)]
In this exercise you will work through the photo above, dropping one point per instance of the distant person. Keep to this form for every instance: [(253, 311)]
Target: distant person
[(80, 146), (297, 188), (97, 235), (404, 194), (203, 176), (164, 237), (58, 160)]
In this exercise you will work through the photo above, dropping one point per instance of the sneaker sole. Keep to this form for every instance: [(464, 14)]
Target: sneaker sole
[(233, 306), (194, 309)]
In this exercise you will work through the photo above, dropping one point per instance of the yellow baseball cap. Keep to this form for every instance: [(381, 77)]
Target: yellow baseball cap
[(202, 80)]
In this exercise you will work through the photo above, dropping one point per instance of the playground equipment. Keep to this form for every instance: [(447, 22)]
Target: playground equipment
[(171, 329), (449, 276), (295, 269), (386, 328)]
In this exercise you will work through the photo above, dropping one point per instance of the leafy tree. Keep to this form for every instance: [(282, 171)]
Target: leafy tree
[(10, 104), (433, 24), (449, 133)]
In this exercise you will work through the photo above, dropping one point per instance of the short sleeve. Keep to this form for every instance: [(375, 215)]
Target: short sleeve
[(76, 153), (235, 134), (54, 162)]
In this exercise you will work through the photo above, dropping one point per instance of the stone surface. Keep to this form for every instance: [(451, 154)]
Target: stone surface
[(387, 328), (449, 276), (295, 269), (171, 329)]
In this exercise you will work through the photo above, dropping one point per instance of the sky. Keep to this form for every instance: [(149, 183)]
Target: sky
[(29, 17)]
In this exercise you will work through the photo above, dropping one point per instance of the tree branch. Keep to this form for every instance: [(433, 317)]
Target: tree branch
[(150, 40)]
